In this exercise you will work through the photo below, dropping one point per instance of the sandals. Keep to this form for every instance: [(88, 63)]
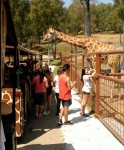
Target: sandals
[(60, 122), (84, 115), (38, 116), (68, 123)]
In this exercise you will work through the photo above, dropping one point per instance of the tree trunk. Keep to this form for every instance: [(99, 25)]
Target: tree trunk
[(87, 19), (123, 34), (55, 49)]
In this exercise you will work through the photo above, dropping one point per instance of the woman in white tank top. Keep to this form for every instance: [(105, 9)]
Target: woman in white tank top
[(85, 78)]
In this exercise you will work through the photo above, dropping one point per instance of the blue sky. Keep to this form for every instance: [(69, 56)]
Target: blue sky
[(68, 2)]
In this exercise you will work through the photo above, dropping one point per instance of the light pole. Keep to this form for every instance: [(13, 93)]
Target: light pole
[(123, 34), (48, 52)]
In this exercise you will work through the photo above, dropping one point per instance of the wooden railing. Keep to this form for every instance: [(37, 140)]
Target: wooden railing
[(107, 96)]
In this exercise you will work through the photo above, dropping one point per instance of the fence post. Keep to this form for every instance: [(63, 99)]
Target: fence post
[(71, 67), (97, 84), (75, 76), (81, 84), (61, 56), (82, 61)]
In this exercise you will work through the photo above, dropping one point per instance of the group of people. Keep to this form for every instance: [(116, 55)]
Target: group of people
[(44, 82), (63, 91), (43, 86)]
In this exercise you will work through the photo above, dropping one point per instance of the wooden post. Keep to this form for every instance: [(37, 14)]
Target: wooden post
[(0, 57), (82, 61), (75, 76), (41, 59), (97, 84), (71, 67), (71, 49)]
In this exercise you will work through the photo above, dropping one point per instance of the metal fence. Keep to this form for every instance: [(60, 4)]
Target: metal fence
[(107, 96)]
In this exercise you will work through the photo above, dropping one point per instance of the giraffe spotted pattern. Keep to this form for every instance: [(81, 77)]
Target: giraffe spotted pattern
[(91, 45), (7, 97)]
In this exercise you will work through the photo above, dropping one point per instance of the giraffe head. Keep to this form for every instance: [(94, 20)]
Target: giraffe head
[(50, 33)]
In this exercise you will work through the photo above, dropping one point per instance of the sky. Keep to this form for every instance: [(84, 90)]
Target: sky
[(68, 2)]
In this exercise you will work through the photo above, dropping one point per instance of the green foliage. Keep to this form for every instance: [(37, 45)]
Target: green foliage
[(118, 2), (101, 13), (32, 18), (75, 17), (113, 23), (20, 11), (56, 62), (121, 12)]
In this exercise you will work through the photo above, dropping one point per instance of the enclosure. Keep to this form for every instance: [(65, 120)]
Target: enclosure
[(107, 96)]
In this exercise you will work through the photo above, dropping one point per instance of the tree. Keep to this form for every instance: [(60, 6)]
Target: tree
[(112, 21), (120, 5), (121, 15), (93, 9), (36, 12), (46, 13), (86, 4), (75, 17), (20, 12)]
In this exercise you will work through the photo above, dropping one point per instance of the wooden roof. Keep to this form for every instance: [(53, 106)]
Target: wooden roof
[(23, 50)]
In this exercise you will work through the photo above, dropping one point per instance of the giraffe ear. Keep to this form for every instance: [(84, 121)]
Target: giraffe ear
[(47, 30), (50, 28)]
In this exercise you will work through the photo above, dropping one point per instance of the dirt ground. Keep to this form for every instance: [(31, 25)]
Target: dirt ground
[(43, 133), (112, 39)]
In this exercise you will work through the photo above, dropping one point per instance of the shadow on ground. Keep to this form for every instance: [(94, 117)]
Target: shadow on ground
[(46, 147), (44, 133), (45, 127)]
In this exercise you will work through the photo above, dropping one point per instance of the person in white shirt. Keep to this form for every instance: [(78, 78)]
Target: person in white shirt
[(85, 78), (56, 89), (5, 110)]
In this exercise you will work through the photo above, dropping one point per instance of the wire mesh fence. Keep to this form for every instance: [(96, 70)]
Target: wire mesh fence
[(107, 94), (111, 104)]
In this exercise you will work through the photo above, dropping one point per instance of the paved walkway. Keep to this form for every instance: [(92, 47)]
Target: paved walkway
[(87, 134)]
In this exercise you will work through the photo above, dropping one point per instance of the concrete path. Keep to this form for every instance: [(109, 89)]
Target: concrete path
[(87, 134)]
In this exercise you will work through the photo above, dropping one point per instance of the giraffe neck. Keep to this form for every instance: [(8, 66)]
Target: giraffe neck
[(67, 38), (92, 45)]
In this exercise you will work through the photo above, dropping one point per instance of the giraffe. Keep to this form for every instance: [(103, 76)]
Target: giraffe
[(90, 45), (7, 97)]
